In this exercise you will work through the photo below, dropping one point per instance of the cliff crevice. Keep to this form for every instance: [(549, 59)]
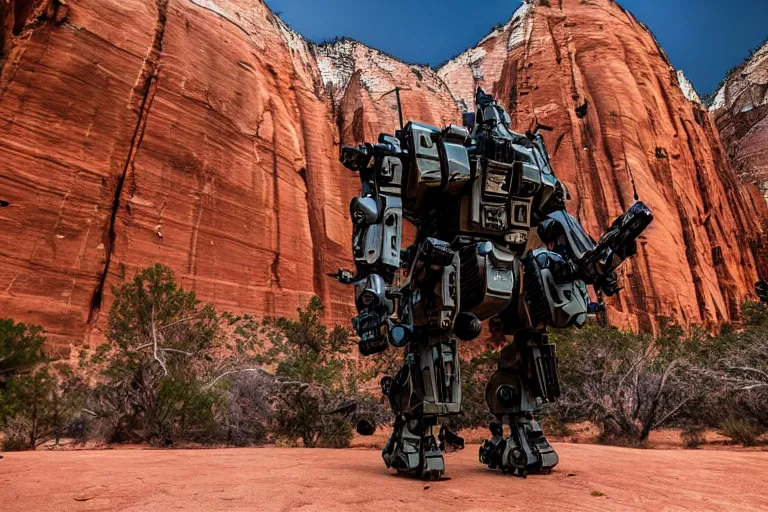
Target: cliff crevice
[(142, 95)]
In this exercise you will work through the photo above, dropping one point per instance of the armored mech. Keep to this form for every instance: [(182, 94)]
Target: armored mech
[(474, 193)]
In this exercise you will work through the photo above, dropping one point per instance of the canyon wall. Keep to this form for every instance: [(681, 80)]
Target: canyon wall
[(191, 133), (204, 134), (740, 107)]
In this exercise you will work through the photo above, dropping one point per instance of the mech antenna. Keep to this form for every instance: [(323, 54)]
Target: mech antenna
[(396, 90)]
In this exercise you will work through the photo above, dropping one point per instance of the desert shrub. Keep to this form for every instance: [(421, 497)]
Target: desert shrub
[(554, 424), (734, 368), (755, 314), (308, 413), (741, 432), (248, 416), (318, 381), (545, 3), (162, 340), (38, 399), (42, 405), (305, 350), (21, 349), (627, 384), (693, 436)]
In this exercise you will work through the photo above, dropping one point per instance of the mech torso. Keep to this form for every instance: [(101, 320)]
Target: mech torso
[(493, 184), (474, 196)]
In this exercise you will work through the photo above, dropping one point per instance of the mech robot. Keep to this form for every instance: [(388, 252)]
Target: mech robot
[(474, 194)]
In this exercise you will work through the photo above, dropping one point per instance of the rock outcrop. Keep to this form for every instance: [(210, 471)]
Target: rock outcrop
[(740, 107), (204, 134), (361, 81)]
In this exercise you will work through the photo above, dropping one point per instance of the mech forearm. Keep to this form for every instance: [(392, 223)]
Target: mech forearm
[(595, 263), (376, 250), (377, 232)]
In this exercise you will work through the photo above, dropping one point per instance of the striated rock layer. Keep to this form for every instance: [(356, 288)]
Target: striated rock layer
[(204, 134), (190, 133), (621, 122)]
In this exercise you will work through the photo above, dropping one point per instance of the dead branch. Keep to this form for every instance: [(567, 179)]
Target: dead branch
[(233, 372), (157, 354)]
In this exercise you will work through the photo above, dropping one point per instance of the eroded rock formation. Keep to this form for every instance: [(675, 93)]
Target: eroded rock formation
[(740, 107), (190, 133), (204, 134)]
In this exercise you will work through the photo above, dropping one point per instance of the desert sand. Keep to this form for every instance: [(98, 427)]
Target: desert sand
[(589, 477)]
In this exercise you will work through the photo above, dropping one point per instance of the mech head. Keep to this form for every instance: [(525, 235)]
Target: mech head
[(489, 117), (488, 111)]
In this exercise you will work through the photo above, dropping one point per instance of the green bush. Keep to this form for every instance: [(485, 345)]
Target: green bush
[(45, 403), (21, 349), (693, 436), (316, 378), (741, 432), (545, 3), (38, 399), (161, 340)]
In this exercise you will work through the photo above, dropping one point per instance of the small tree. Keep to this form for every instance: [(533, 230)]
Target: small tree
[(305, 351), (47, 400), (37, 399), (315, 398), (162, 342)]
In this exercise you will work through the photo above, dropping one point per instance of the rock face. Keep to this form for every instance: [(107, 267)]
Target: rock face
[(740, 107), (361, 81), (204, 134), (190, 133)]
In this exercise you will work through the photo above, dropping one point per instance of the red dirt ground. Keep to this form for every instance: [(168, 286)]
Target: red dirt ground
[(589, 477)]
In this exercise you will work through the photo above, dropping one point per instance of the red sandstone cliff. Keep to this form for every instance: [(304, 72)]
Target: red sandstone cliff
[(204, 134), (360, 82), (192, 133), (740, 107)]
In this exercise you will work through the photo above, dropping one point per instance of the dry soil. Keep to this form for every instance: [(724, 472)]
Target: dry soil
[(589, 477)]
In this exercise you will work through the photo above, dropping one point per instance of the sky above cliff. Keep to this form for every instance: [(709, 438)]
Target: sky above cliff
[(704, 38)]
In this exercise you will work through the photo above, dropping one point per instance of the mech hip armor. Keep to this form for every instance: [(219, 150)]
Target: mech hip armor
[(474, 193)]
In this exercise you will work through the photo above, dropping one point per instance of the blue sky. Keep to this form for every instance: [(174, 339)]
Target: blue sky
[(705, 38)]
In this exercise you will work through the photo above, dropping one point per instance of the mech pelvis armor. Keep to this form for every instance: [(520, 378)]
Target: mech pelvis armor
[(474, 193)]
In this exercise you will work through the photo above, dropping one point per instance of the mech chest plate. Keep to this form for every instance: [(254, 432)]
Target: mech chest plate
[(499, 204)]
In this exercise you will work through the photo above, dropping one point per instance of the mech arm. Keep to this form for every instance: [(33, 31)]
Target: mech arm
[(377, 219), (596, 263)]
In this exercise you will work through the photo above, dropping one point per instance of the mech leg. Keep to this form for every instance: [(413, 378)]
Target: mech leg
[(526, 377), (425, 388)]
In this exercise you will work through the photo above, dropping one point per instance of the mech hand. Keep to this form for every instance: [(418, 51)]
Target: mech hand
[(609, 284), (356, 158), (376, 331), (371, 326), (616, 245)]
